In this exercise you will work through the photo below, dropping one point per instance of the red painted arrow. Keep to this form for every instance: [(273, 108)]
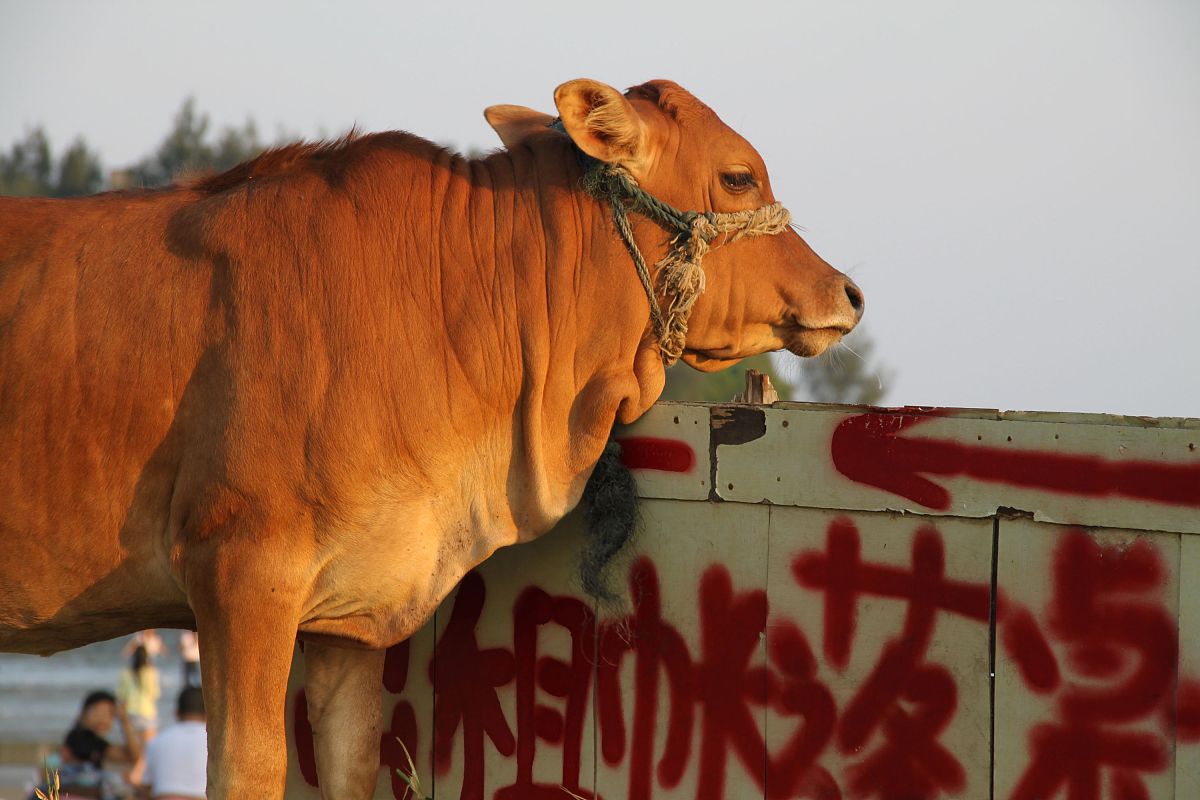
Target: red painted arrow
[(868, 449)]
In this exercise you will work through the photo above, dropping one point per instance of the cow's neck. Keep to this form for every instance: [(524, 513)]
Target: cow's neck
[(581, 320)]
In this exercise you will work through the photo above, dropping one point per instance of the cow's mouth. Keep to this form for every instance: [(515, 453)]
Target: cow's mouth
[(797, 339), (809, 342)]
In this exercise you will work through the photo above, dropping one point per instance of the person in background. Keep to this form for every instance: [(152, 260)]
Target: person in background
[(189, 651), (87, 755), (148, 639), (138, 690), (176, 761)]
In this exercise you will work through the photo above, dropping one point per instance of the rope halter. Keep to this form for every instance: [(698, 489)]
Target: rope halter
[(680, 275)]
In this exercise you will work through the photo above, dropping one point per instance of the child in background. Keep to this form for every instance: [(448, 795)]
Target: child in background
[(148, 639), (87, 755), (138, 690)]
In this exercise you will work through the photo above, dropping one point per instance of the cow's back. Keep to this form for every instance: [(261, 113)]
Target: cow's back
[(101, 327)]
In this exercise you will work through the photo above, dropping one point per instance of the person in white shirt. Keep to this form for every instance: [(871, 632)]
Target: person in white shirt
[(177, 759)]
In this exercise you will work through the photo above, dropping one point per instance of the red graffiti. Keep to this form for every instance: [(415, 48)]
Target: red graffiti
[(306, 752), (1187, 711), (1120, 657), (1104, 650), (648, 452), (1030, 651), (399, 740), (868, 449), (795, 692), (402, 727), (724, 682), (658, 647), (911, 762), (465, 681), (569, 681), (719, 690)]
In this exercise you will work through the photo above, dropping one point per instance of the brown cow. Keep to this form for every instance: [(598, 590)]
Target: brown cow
[(304, 397)]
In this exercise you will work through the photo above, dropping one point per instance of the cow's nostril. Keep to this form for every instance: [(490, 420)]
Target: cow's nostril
[(855, 295)]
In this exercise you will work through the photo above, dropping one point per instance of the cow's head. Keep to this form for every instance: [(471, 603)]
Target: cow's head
[(765, 293)]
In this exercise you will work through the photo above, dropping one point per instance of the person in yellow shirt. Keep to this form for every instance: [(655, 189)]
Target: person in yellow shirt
[(138, 690)]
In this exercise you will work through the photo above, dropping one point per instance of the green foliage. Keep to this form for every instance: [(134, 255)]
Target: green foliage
[(184, 149), (79, 171), (26, 170), (29, 168), (845, 374), (189, 148), (685, 383), (236, 145)]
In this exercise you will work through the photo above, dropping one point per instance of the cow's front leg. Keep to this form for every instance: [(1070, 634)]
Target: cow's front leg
[(343, 688), (247, 611)]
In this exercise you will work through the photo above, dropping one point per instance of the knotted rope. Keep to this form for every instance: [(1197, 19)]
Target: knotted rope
[(680, 274)]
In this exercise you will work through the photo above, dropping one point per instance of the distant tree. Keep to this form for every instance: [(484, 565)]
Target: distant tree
[(187, 148), (844, 374), (79, 171), (29, 169), (236, 145), (183, 150)]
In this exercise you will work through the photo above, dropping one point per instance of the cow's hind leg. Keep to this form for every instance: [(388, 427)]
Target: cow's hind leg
[(247, 612), (343, 688)]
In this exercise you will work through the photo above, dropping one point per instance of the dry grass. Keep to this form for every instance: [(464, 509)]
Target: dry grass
[(55, 791), (411, 777)]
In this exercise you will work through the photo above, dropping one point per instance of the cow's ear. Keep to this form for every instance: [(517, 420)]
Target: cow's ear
[(514, 124), (601, 122)]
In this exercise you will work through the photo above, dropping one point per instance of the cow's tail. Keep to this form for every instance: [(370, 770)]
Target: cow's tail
[(610, 515)]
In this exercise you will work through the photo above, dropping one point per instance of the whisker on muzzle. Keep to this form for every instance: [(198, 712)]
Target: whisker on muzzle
[(874, 372)]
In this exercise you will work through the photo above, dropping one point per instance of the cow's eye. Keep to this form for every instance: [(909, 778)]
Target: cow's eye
[(737, 181)]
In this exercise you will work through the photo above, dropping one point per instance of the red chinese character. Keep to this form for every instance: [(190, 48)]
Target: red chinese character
[(1121, 644), (725, 684), (658, 647), (465, 680), (568, 680), (911, 762), (302, 734), (792, 771), (1185, 717), (403, 727), (722, 687)]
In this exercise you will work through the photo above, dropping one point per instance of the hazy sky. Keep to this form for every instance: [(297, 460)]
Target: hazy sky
[(1015, 186)]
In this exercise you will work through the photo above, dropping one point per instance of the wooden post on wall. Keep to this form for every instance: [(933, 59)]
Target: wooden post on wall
[(758, 391)]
